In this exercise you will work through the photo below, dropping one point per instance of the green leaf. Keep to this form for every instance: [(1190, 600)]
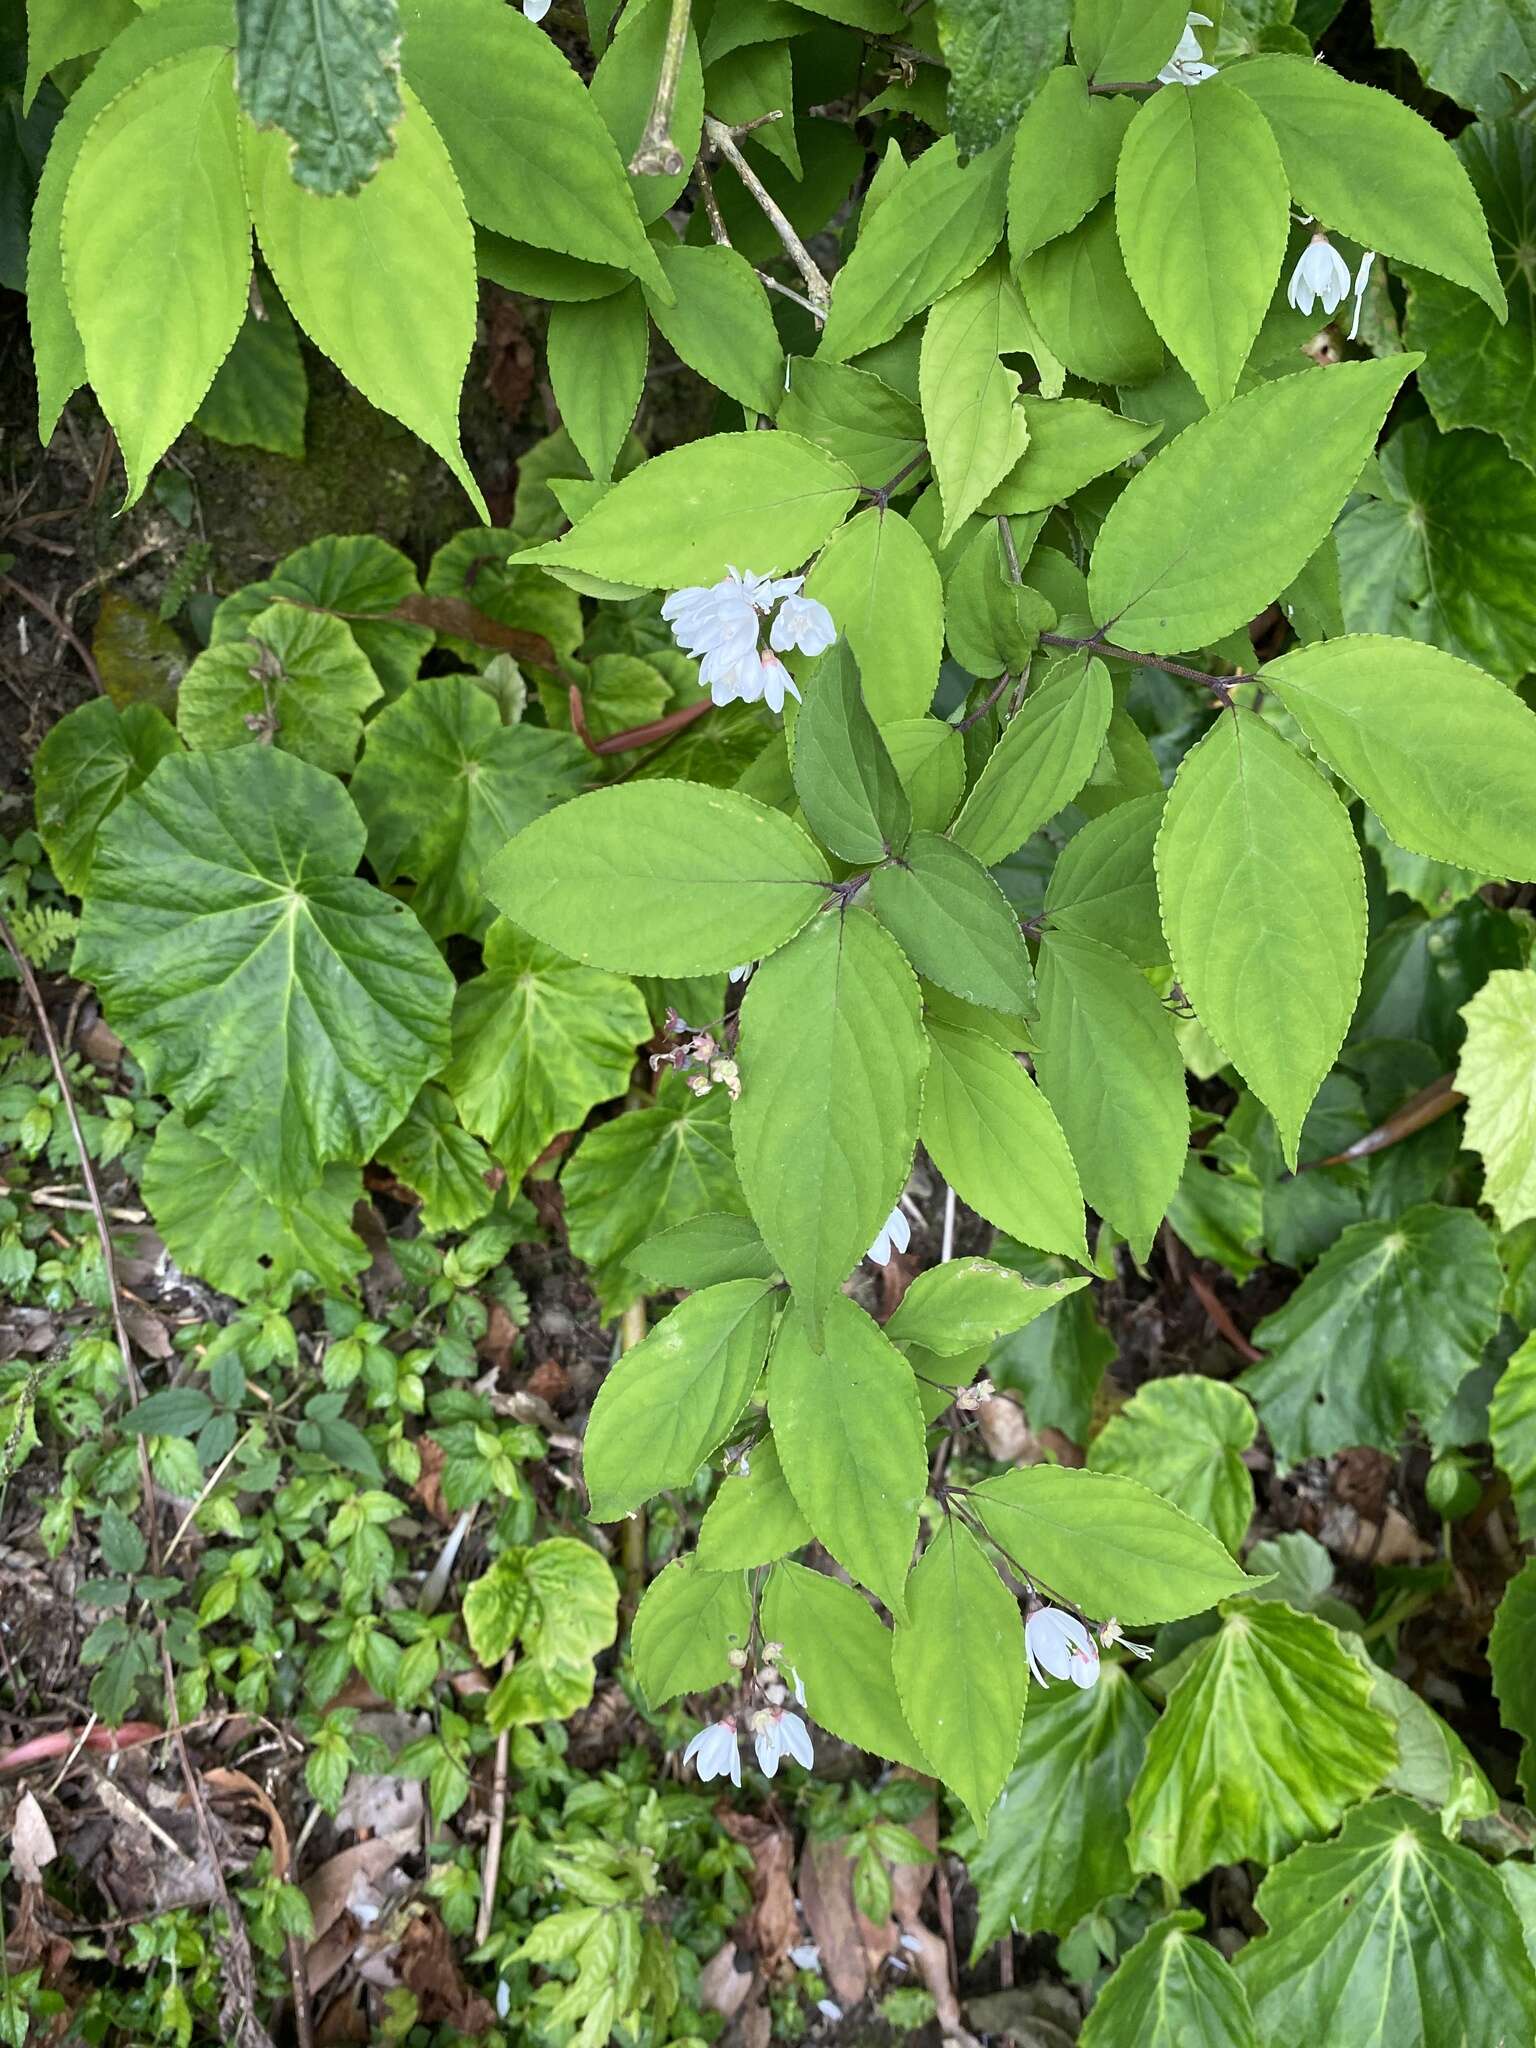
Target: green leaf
[(1497, 1075), (1512, 1432), (290, 1009), (297, 680), (704, 1252), (1263, 900), (443, 784), (433, 1153), (1104, 883), (1389, 1936), (218, 1225), (175, 1411), (686, 1628), (1055, 1847), (260, 394), (1185, 556), (841, 1652), (531, 149), (953, 923), (1185, 1437), (94, 757), (753, 1518), (1409, 1301), (1514, 1666), (1109, 1065), (1171, 1991), (543, 273), (356, 575), (1042, 760), (930, 759), (474, 565), (538, 1042), (166, 150), (623, 87), (1129, 39), (846, 781), (982, 1119), (998, 58), (1203, 213), (384, 285), (941, 222), (960, 1669), (761, 501), (661, 878), (882, 587), (1064, 157), (558, 1599), (952, 1308), (721, 324), (60, 29), (648, 1166), (1106, 1544), (1269, 1737), (668, 1404), (1373, 169), (1443, 754), (1479, 56), (597, 351), (328, 75), (850, 1435), (876, 431), (1434, 1765), (144, 43), (1070, 443), (1445, 548), (831, 1054), (975, 435), (1480, 371), (1080, 297)]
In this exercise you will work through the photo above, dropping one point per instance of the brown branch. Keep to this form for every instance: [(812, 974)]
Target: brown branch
[(724, 142), (492, 1868), (1220, 687), (458, 615), (65, 632), (1220, 1315), (980, 713), (636, 735), (1427, 1107), (656, 154)]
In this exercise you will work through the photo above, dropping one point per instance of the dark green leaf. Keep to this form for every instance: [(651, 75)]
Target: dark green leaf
[(329, 76), (846, 781)]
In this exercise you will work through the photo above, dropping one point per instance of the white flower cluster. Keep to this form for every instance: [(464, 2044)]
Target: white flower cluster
[(1322, 277), (1187, 65), (718, 624), (776, 1733)]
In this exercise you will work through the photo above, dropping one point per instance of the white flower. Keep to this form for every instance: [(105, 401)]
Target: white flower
[(718, 624), (740, 973), (537, 9), (714, 1753), (1187, 65), (1112, 1633), (1362, 279), (1321, 275), (802, 622), (777, 1733), (776, 680), (895, 1235), (807, 1956), (829, 2009), (1059, 1646)]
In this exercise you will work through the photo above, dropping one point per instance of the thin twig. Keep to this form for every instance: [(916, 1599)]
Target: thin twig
[(656, 154), (947, 1247), (715, 217), (636, 735), (722, 140), (1095, 643), (45, 1198), (1220, 1315), (65, 632), (788, 291), (981, 711), (632, 1331), (208, 1485), (492, 1869), (881, 493), (88, 1175)]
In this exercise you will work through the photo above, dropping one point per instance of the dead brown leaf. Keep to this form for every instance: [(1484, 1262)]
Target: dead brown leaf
[(32, 1845), (429, 1487), (429, 1968), (500, 1340), (773, 1926), (724, 1984), (852, 1948)]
